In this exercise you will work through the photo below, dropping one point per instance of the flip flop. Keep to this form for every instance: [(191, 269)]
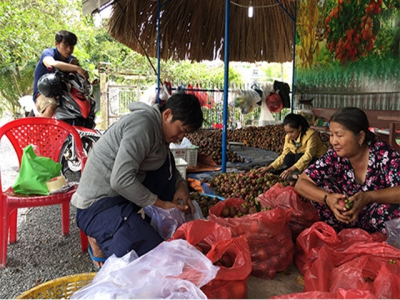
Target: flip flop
[(95, 258)]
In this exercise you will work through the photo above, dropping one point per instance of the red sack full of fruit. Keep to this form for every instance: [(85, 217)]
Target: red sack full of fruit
[(266, 231), (360, 261), (232, 255), (304, 213), (311, 240)]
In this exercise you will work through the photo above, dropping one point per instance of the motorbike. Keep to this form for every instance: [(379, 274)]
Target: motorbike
[(77, 107)]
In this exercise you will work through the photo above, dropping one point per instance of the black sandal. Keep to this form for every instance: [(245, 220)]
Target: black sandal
[(294, 177)]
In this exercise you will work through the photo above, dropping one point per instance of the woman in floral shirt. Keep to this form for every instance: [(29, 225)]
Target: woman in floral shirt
[(356, 184)]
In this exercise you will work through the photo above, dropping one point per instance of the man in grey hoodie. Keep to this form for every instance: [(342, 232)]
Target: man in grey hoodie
[(130, 167)]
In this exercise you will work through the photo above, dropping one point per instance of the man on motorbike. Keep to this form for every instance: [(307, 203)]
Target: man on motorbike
[(61, 58)]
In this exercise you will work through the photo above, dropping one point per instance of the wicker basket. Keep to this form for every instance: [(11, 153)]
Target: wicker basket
[(62, 287)]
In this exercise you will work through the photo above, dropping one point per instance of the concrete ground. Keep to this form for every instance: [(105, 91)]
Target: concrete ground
[(283, 283), (42, 254)]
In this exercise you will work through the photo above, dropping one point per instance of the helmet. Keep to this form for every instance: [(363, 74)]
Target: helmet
[(49, 85)]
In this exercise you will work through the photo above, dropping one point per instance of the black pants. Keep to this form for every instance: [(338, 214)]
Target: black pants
[(290, 159)]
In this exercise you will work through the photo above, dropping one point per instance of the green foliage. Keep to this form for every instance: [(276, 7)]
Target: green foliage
[(15, 82), (28, 27)]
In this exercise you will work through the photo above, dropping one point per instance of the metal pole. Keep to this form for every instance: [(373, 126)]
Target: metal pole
[(158, 49), (294, 56), (293, 18), (226, 85)]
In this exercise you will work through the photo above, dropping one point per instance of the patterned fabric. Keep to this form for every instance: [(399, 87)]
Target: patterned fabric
[(383, 172)]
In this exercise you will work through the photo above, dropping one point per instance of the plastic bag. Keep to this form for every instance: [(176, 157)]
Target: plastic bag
[(247, 101), (34, 173), (267, 233), (172, 270), (274, 102), (231, 254), (393, 231), (304, 214), (166, 221), (353, 260)]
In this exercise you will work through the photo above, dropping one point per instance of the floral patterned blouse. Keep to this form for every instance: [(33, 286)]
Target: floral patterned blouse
[(335, 174)]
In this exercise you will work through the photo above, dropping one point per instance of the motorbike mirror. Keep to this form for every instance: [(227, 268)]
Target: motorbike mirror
[(94, 82)]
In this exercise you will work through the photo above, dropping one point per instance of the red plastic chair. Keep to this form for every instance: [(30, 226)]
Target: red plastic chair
[(48, 136)]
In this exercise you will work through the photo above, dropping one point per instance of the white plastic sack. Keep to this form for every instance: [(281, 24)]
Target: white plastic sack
[(172, 270), (167, 221), (184, 144), (393, 232), (247, 101)]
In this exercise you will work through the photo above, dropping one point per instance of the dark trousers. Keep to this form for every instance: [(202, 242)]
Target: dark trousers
[(290, 159), (115, 223)]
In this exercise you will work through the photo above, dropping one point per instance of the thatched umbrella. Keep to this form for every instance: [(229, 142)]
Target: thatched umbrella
[(194, 30)]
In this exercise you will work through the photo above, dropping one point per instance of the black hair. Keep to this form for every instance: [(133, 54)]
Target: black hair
[(295, 121), (185, 108), (66, 36), (355, 120)]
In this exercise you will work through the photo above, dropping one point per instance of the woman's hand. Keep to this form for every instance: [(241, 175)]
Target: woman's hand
[(333, 201), (358, 200), (266, 169), (286, 174), (182, 199)]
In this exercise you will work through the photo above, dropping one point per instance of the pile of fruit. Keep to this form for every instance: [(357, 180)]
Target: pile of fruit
[(210, 143), (204, 202), (270, 137), (246, 208), (346, 203), (246, 185)]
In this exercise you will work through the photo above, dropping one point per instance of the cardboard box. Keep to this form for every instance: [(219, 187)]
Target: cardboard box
[(188, 154), (181, 165)]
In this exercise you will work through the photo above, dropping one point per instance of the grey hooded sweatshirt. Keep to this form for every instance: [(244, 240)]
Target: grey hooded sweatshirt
[(118, 162)]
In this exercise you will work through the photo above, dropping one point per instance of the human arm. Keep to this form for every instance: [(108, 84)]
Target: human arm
[(182, 197), (307, 188), (383, 180), (49, 61), (309, 142), (136, 149), (280, 159), (359, 200)]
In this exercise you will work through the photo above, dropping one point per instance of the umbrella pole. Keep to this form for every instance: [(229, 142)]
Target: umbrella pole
[(158, 49), (226, 85)]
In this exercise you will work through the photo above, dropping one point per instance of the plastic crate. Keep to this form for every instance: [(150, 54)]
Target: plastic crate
[(60, 288), (188, 154), (181, 165)]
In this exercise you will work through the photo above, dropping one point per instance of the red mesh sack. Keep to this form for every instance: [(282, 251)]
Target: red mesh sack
[(216, 242), (266, 232), (304, 213), (274, 102)]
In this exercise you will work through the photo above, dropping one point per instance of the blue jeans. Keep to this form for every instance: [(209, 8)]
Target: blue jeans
[(115, 223)]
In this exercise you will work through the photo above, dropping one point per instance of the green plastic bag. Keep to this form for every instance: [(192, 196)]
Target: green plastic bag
[(34, 173)]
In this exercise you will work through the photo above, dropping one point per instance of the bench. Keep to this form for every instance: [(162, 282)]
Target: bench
[(386, 123)]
